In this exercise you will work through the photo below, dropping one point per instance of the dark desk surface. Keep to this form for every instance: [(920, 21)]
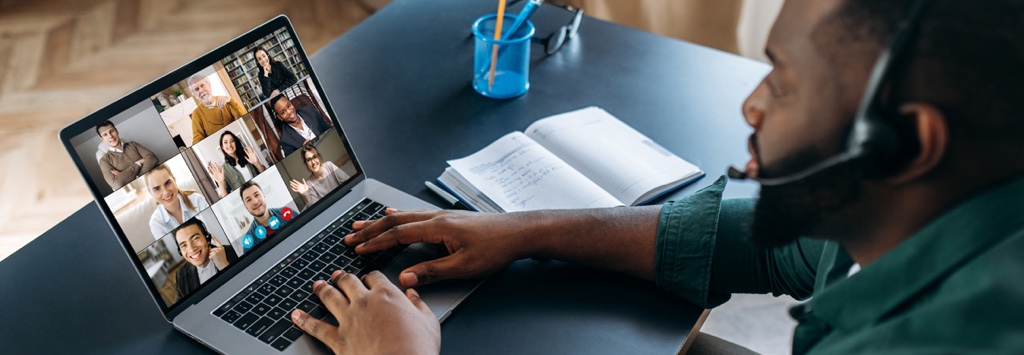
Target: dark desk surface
[(400, 83)]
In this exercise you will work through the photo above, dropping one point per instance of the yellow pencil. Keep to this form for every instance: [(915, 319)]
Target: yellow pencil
[(497, 37)]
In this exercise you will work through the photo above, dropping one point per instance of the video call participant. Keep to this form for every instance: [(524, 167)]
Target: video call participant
[(266, 220), (213, 112), (124, 161), (173, 205), (204, 254), (323, 178), (235, 170), (297, 126), (274, 77)]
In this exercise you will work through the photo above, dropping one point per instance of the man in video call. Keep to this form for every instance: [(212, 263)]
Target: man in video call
[(266, 220), (297, 126), (213, 112), (204, 254), (124, 161)]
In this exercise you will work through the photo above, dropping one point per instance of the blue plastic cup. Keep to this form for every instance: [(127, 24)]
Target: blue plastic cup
[(512, 69)]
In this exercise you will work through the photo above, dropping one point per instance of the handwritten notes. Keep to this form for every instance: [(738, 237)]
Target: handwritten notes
[(519, 175)]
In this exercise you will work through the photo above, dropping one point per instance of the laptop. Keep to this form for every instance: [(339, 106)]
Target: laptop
[(230, 183)]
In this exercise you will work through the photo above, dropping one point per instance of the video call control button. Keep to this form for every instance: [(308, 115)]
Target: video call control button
[(247, 241), (261, 232), (274, 223), (286, 214)]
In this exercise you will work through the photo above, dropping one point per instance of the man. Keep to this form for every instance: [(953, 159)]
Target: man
[(297, 126), (124, 161), (914, 245), (213, 112), (204, 254), (266, 221)]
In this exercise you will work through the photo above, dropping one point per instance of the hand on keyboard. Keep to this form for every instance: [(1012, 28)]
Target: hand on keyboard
[(374, 317)]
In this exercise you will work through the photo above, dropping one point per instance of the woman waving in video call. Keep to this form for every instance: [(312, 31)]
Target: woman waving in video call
[(238, 167)]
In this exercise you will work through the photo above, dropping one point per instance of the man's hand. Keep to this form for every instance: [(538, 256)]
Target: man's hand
[(218, 255), (479, 243), (374, 317), (222, 101), (115, 172)]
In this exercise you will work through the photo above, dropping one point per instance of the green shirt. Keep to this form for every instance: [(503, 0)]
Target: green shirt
[(955, 286)]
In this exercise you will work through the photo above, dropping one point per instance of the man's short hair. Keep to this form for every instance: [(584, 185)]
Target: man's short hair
[(246, 185), (191, 222), (966, 59), (273, 100), (103, 124)]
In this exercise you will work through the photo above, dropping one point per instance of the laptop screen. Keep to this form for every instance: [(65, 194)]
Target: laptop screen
[(202, 172)]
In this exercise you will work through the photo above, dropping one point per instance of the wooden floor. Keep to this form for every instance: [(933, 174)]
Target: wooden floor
[(62, 59)]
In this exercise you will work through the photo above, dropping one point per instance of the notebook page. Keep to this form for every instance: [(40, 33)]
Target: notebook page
[(520, 175), (621, 160)]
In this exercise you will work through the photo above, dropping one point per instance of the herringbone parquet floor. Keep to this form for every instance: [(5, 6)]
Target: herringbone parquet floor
[(62, 59)]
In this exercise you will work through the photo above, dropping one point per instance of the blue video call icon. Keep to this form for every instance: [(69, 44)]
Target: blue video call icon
[(261, 232), (274, 223), (247, 241)]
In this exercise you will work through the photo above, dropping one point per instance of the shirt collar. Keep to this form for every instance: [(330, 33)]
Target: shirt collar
[(118, 149), (166, 216), (932, 253)]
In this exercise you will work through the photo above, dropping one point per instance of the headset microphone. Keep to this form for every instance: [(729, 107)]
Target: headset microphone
[(874, 141)]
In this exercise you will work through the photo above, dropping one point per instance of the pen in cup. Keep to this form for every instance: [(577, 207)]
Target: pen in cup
[(523, 15)]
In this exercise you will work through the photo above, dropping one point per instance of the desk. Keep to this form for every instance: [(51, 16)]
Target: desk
[(400, 82)]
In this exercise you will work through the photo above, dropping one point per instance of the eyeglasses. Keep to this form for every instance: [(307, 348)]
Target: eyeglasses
[(309, 158), (554, 41)]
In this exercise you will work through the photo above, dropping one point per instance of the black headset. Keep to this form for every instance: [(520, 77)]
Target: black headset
[(874, 141), (202, 229)]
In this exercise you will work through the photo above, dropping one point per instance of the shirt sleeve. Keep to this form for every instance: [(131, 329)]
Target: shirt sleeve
[(704, 254)]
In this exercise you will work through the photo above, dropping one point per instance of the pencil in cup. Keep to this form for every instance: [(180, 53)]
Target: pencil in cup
[(512, 68)]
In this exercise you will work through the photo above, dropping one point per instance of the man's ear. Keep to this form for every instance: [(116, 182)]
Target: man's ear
[(929, 124)]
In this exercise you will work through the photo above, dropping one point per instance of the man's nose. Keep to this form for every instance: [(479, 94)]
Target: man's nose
[(753, 107)]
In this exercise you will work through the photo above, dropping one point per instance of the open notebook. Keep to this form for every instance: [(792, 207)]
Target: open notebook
[(581, 159)]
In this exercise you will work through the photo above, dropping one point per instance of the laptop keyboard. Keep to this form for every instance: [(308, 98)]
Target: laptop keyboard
[(263, 308)]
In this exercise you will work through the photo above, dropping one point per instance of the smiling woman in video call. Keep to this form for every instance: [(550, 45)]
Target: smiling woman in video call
[(274, 77), (324, 176), (235, 170), (173, 205)]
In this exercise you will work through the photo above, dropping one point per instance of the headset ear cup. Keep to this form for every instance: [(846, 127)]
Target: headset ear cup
[(890, 146)]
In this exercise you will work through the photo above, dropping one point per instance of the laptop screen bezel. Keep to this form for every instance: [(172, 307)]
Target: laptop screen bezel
[(89, 122)]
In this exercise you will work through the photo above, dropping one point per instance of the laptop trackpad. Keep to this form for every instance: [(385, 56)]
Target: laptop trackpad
[(441, 297)]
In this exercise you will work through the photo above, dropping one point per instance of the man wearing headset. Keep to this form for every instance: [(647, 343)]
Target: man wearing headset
[(887, 141), (204, 253)]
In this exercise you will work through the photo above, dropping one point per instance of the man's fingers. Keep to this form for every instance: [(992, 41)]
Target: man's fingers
[(414, 297), (376, 279), (349, 284), (424, 230), (315, 327), (369, 231), (330, 296), (431, 271), (217, 243)]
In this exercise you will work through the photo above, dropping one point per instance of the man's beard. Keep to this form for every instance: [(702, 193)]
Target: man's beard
[(784, 213)]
